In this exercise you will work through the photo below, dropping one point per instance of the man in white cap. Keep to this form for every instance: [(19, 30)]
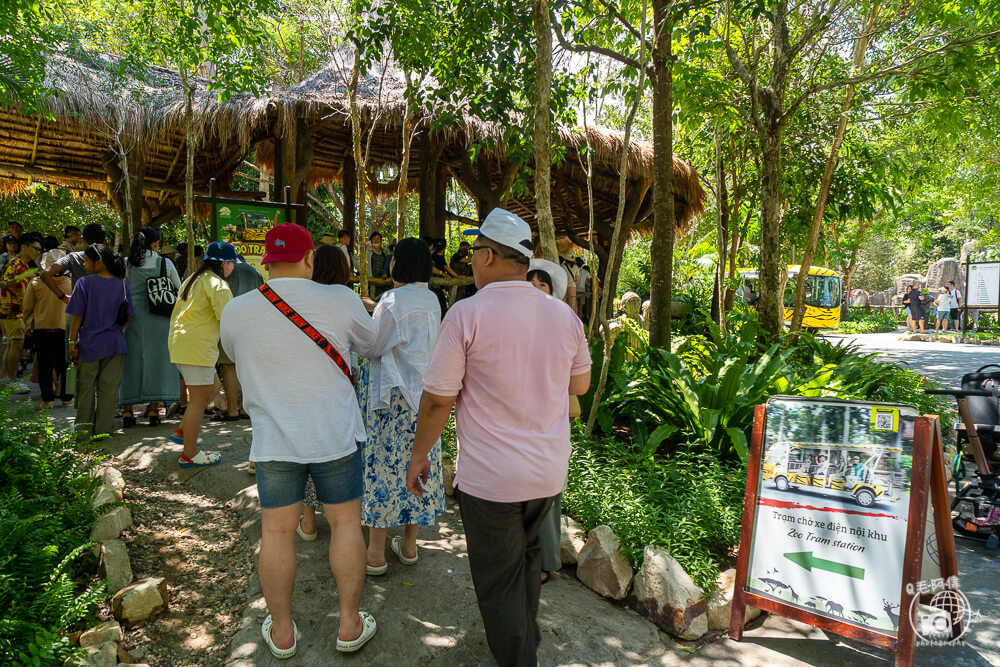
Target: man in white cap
[(507, 358)]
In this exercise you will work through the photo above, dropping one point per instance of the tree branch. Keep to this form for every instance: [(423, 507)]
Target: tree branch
[(591, 48)]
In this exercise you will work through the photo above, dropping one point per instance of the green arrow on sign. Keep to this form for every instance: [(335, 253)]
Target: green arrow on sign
[(808, 561)]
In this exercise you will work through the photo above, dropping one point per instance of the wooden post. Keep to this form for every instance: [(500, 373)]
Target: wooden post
[(430, 154), (746, 527), (293, 148)]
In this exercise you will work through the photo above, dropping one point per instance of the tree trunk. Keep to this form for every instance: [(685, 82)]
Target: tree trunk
[(350, 198), (189, 170), (769, 305), (362, 175), (662, 247), (618, 236), (824, 187), (543, 139), (722, 236), (402, 194)]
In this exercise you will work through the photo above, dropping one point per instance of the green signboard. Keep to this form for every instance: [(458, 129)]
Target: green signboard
[(245, 225)]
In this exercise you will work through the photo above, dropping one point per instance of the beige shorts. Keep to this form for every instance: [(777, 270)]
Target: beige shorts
[(197, 376), (13, 328)]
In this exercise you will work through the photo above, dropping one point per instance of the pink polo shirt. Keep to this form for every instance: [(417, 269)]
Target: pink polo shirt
[(508, 352)]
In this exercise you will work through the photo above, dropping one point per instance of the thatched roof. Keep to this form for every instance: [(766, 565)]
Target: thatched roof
[(97, 99), (323, 99), (97, 103)]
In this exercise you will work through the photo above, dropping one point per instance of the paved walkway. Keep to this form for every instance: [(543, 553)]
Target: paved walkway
[(945, 363), (427, 613)]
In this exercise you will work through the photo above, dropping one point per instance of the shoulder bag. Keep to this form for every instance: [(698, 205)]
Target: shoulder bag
[(309, 330), (161, 295), (122, 318)]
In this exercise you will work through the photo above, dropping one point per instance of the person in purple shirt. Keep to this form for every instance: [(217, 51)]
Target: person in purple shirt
[(97, 339)]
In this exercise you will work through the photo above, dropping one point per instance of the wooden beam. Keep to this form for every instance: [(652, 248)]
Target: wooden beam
[(170, 171)]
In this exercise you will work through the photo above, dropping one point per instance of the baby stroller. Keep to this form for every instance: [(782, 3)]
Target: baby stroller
[(976, 506)]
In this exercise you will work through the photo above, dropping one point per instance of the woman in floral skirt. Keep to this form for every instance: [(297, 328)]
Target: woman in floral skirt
[(408, 318)]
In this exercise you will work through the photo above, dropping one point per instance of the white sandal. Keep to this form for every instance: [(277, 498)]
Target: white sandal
[(306, 537), (279, 653), (396, 549), (368, 628)]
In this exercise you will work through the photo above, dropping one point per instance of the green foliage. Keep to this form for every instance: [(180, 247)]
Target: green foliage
[(689, 503), (45, 519), (50, 210), (877, 321), (704, 390), (636, 267)]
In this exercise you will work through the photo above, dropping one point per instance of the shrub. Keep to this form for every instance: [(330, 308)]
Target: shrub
[(45, 519), (878, 321), (689, 504)]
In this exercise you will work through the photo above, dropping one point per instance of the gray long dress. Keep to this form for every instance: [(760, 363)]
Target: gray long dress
[(147, 374)]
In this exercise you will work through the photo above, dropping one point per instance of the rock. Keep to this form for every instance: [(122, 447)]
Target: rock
[(945, 339), (115, 566), (601, 565), (109, 631), (883, 298), (123, 656), (571, 540), (720, 603), (105, 494), (104, 654), (110, 525), (666, 595), (448, 477), (136, 603), (860, 298), (905, 282), (112, 477), (943, 270)]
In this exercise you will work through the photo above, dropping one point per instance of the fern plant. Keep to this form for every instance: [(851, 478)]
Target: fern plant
[(46, 481)]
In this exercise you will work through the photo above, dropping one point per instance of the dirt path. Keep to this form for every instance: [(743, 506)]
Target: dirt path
[(199, 546)]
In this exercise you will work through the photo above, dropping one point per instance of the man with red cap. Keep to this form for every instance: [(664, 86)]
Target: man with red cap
[(289, 340)]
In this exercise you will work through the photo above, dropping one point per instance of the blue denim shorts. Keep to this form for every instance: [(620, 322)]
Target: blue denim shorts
[(283, 483)]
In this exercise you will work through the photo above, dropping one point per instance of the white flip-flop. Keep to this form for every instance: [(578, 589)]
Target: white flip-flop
[(368, 628), (279, 653)]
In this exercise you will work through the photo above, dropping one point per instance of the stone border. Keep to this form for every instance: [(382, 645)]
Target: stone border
[(661, 590), (130, 602)]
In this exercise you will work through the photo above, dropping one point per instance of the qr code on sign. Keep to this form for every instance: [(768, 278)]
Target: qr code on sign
[(883, 421)]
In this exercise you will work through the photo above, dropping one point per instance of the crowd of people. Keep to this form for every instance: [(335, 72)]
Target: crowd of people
[(347, 415), (942, 309)]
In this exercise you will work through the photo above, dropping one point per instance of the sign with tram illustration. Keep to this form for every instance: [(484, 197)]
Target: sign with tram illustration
[(833, 500)]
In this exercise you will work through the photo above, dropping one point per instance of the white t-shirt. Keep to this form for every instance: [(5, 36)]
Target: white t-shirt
[(303, 407), (944, 302)]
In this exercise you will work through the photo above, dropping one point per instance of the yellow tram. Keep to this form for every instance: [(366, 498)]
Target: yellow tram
[(823, 295)]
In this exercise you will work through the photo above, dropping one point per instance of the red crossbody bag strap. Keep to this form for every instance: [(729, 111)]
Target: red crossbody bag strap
[(309, 330)]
